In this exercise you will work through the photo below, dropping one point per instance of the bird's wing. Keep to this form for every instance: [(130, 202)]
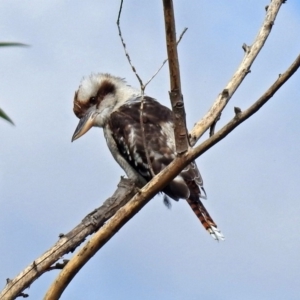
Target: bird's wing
[(128, 133), (157, 129)]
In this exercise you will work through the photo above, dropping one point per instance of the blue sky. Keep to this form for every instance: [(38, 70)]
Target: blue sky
[(48, 184)]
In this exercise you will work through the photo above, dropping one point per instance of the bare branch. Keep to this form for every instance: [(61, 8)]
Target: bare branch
[(124, 47), (68, 242), (180, 131), (143, 135), (181, 35), (154, 186), (20, 294), (142, 85), (244, 68), (242, 116), (164, 62)]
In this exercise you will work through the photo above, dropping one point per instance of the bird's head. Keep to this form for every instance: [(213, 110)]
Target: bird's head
[(96, 98)]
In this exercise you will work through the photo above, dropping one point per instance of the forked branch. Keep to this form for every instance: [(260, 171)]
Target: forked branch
[(250, 54), (104, 234)]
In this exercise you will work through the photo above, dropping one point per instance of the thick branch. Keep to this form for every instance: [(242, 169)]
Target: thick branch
[(68, 242), (244, 68), (181, 140), (154, 186)]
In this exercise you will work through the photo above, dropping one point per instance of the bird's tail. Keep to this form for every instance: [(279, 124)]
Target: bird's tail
[(206, 220)]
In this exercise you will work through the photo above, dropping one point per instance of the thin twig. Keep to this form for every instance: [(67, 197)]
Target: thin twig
[(142, 86), (124, 46), (181, 35), (143, 135), (164, 62)]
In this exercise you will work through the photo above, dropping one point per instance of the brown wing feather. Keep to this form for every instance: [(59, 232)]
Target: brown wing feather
[(158, 130), (127, 132)]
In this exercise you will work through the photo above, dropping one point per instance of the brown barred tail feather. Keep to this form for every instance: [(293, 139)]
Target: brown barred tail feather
[(206, 220)]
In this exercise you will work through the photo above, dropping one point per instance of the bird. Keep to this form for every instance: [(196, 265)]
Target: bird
[(140, 136)]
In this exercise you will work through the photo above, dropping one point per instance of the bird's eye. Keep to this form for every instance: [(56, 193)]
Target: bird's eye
[(93, 100)]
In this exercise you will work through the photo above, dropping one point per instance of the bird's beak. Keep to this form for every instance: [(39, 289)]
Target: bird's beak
[(85, 124)]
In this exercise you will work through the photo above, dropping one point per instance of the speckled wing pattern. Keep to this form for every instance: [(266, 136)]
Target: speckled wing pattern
[(159, 137)]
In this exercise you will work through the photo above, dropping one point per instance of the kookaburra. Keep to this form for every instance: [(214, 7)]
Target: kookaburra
[(106, 101)]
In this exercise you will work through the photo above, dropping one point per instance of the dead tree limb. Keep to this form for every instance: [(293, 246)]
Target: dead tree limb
[(70, 241), (124, 214), (176, 98), (250, 54)]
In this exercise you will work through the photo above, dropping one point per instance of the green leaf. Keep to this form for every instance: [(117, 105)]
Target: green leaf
[(4, 116), (12, 44)]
